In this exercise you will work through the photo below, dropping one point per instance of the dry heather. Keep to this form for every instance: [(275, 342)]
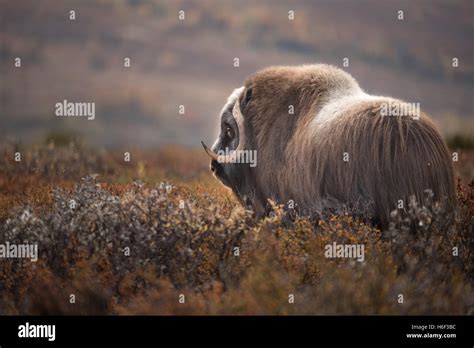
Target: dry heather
[(182, 231)]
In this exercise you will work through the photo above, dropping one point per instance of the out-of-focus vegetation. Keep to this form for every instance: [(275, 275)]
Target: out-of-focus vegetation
[(461, 142), (190, 62), (182, 229)]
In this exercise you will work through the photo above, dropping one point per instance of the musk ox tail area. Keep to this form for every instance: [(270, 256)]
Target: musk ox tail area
[(390, 160)]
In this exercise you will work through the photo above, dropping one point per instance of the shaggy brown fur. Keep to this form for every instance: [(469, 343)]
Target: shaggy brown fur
[(300, 156)]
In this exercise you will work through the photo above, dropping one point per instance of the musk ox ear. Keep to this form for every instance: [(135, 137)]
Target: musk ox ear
[(246, 98)]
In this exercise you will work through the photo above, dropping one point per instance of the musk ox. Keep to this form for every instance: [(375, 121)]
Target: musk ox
[(319, 137)]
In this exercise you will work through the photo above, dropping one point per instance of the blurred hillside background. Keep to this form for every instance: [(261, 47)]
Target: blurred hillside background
[(190, 62)]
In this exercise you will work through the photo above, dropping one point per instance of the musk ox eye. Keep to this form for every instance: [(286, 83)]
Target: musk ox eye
[(228, 133)]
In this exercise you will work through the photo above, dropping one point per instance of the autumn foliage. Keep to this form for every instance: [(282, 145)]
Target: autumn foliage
[(130, 237)]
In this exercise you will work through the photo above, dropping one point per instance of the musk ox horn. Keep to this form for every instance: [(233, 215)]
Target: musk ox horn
[(233, 156), (211, 153)]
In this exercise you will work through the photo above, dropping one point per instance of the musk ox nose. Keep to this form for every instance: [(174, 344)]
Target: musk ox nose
[(214, 165)]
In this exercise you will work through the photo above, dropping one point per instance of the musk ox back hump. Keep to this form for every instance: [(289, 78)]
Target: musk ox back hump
[(389, 158)]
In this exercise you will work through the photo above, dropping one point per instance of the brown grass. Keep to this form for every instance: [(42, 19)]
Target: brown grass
[(189, 249)]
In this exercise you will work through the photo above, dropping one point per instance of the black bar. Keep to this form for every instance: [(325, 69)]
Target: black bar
[(139, 330)]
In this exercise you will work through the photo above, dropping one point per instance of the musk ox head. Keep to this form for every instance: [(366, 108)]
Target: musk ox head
[(231, 157), (319, 137)]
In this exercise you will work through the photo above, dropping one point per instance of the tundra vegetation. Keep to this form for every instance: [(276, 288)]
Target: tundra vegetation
[(119, 237)]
